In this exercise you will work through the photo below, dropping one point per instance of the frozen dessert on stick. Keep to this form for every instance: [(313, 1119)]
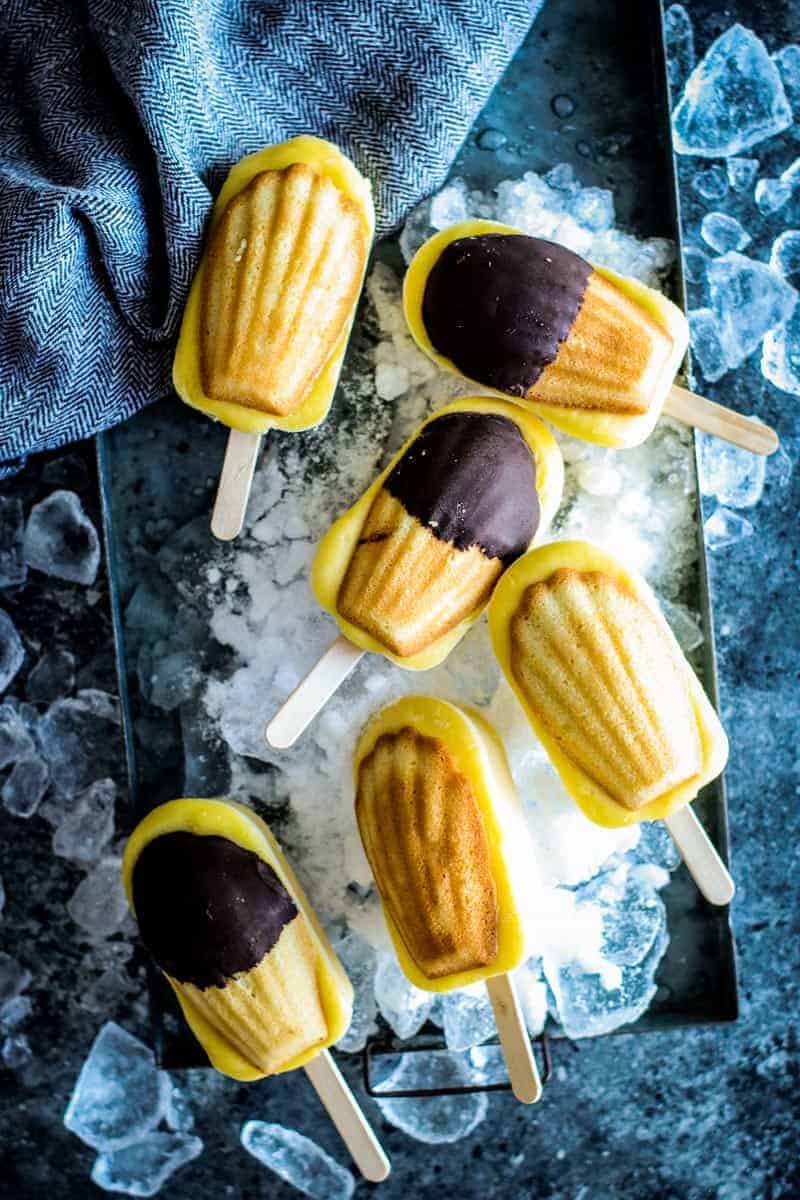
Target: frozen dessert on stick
[(446, 840), (410, 567), (221, 912), (266, 323), (609, 694), (592, 351)]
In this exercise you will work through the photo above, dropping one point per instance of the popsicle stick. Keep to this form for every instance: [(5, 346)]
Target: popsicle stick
[(722, 422), (345, 1112), (702, 861), (520, 1063), (312, 693), (233, 492)]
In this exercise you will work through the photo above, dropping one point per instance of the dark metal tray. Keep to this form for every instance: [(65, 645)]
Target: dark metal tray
[(159, 470)]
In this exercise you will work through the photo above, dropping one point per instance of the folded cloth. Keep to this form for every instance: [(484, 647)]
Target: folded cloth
[(118, 122)]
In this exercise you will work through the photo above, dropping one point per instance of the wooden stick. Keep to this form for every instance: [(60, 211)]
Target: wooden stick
[(520, 1063), (345, 1112), (722, 422), (233, 492), (703, 863), (312, 693)]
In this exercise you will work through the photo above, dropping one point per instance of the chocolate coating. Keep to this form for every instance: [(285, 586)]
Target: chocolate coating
[(471, 479), (499, 305), (207, 908)]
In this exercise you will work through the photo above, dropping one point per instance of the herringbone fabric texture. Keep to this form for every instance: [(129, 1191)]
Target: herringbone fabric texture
[(120, 118)]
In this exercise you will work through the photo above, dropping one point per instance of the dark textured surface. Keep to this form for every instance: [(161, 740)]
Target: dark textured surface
[(707, 1114), (499, 306), (471, 478), (207, 908)]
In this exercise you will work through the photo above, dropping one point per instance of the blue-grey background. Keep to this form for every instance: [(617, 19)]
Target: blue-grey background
[(708, 1114)]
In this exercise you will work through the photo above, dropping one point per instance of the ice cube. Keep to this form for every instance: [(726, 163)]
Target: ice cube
[(787, 61), (52, 678), (26, 785), (723, 233), (98, 904), (594, 208), (16, 1052), (119, 1095), (14, 978), (733, 100), (12, 651), (173, 679), (468, 1018), (404, 1007), (684, 623), (780, 355), (60, 539), (358, 959), (434, 1120), (391, 380), (748, 299), (733, 475), (711, 183), (298, 1161), (89, 825), (15, 1011), (633, 913), (449, 205), (179, 1115), (772, 194), (12, 553), (142, 1169), (15, 740), (416, 230), (726, 528), (708, 351), (694, 264), (532, 993), (742, 173), (80, 738), (656, 847), (680, 47), (785, 254)]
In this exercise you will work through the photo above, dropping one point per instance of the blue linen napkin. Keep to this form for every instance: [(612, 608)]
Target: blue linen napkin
[(118, 122)]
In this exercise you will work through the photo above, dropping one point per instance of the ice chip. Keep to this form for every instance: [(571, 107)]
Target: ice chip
[(684, 623), (599, 478), (734, 476), (15, 1012), (16, 1052), (60, 539), (656, 847), (14, 978), (98, 904), (404, 1007), (722, 232), (680, 47), (742, 173), (179, 1115), (594, 208), (52, 678), (708, 350), (81, 741), (633, 913), (173, 679), (142, 1169), (711, 183), (26, 785), (119, 1095), (772, 194), (780, 356), (391, 380), (89, 825), (562, 178), (298, 1161), (416, 230), (694, 264), (785, 254), (787, 61), (532, 993), (726, 528), (748, 299), (468, 1018), (358, 960), (449, 206), (15, 740), (12, 651), (733, 100), (13, 570), (438, 1119)]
